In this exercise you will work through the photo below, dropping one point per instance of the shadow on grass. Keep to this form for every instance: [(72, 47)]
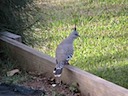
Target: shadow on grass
[(18, 16), (112, 67), (115, 74), (12, 12)]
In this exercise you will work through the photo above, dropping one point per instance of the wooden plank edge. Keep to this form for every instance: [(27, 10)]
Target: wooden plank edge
[(90, 85), (11, 35)]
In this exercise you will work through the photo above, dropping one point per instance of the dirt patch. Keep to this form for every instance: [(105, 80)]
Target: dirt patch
[(45, 84)]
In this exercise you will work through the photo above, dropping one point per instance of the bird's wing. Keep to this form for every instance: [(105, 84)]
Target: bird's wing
[(69, 52), (64, 52)]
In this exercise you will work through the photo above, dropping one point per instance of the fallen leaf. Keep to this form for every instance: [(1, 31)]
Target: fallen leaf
[(13, 72)]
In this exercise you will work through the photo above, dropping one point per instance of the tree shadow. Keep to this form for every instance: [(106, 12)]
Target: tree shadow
[(17, 16)]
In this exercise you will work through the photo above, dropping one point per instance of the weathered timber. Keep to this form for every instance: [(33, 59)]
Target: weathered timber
[(11, 35)]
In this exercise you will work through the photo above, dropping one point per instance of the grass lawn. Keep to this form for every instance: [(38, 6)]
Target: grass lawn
[(102, 48)]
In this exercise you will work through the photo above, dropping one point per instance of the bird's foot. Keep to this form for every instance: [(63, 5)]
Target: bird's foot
[(67, 63), (57, 82)]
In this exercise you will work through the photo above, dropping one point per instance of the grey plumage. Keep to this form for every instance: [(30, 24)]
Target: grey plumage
[(64, 52)]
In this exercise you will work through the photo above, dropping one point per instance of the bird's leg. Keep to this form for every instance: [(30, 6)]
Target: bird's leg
[(67, 63), (58, 80)]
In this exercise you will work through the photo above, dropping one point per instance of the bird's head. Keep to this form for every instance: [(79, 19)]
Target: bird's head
[(74, 34)]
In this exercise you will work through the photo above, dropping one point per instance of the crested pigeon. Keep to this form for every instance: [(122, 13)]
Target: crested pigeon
[(64, 52)]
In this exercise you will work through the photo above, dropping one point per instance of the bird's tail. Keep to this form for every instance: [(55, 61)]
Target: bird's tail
[(57, 72)]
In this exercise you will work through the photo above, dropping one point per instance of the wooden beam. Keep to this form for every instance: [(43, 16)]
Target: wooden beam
[(33, 60), (11, 35)]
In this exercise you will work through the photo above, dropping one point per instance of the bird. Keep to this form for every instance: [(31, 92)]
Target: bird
[(64, 52)]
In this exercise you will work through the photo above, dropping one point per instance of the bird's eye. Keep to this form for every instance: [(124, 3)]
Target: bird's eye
[(76, 34)]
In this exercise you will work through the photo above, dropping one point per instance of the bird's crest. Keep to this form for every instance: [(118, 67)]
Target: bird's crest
[(75, 28)]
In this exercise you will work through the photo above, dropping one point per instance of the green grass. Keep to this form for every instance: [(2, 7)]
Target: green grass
[(102, 48)]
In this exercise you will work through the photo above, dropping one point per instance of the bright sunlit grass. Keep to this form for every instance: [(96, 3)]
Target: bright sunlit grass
[(102, 48)]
